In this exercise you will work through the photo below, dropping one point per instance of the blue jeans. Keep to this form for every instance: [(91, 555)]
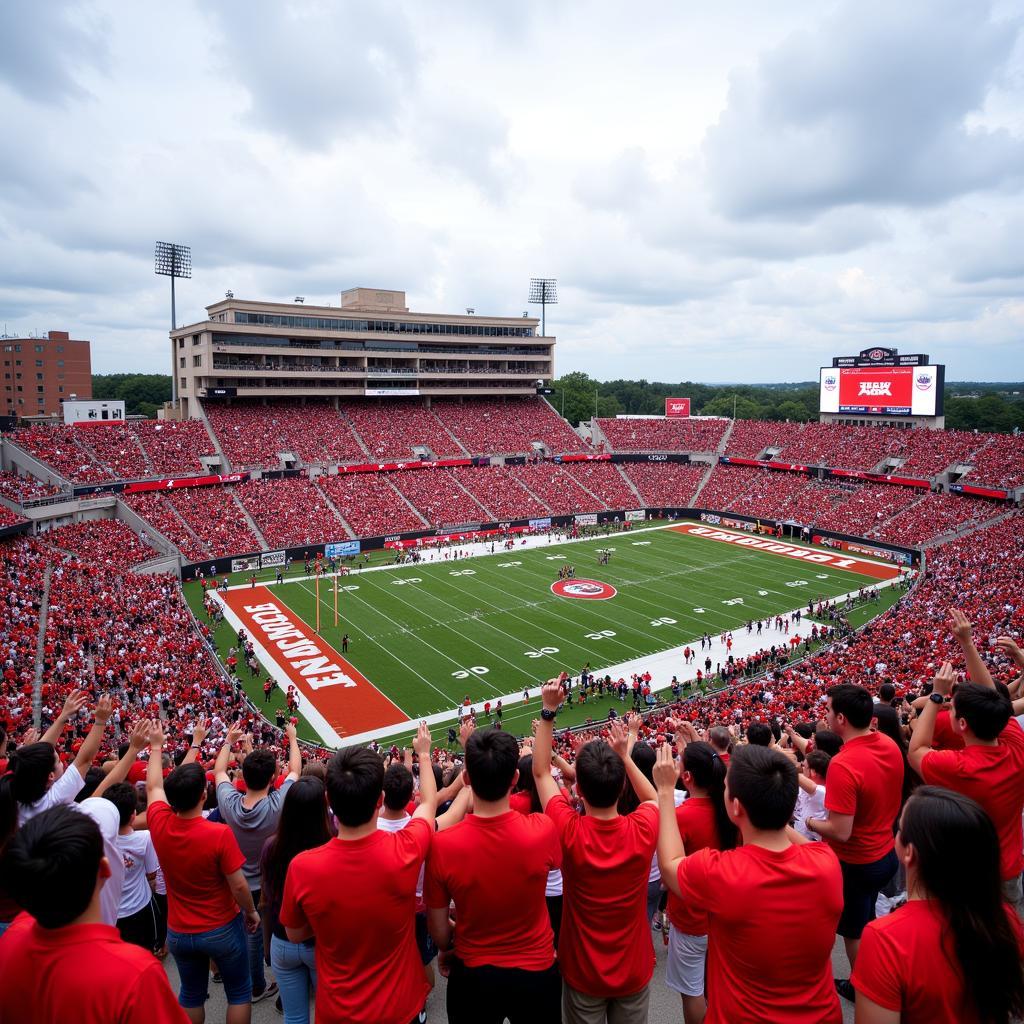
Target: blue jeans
[(295, 969), (226, 946)]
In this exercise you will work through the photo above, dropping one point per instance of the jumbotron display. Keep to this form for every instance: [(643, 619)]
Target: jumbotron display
[(880, 382)]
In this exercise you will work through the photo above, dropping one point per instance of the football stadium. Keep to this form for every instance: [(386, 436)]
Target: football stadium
[(393, 653)]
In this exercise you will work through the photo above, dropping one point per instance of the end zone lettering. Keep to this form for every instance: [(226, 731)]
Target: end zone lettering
[(297, 649)]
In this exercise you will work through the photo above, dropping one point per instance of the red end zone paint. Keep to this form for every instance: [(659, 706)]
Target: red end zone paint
[(345, 698), (590, 590), (777, 547)]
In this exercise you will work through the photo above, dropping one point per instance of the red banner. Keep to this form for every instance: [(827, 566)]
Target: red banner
[(580, 458), (380, 467), (785, 467), (983, 492), (677, 407), (880, 478), (176, 483)]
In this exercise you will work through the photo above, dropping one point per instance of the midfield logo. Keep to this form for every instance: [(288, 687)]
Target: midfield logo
[(881, 387)]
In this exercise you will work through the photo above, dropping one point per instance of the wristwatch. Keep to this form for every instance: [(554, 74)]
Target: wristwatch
[(548, 716), (195, 746), (936, 698)]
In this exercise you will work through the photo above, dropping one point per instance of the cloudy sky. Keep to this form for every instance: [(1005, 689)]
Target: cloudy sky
[(726, 192)]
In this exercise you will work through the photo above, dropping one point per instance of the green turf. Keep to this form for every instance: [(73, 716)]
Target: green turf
[(422, 634)]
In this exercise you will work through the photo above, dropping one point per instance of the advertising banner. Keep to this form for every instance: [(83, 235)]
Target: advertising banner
[(586, 519), (175, 483), (379, 467), (540, 524), (981, 492), (677, 407), (598, 457), (245, 564), (272, 559), (636, 516), (341, 549)]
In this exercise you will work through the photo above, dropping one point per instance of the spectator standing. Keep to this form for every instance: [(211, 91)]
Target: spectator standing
[(206, 888), (494, 866), (252, 817), (605, 955), (302, 825), (865, 785), (765, 961), (370, 974), (952, 953), (59, 961)]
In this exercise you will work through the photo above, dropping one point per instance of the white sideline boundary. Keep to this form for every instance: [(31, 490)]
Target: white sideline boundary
[(662, 665)]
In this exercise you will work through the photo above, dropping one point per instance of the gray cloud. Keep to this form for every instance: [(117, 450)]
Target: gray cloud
[(868, 108)]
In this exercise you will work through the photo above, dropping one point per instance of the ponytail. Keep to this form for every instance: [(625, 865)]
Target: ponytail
[(958, 866), (707, 768)]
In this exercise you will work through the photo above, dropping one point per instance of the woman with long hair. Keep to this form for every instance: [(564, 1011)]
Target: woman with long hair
[(643, 757), (703, 822), (303, 826), (952, 953)]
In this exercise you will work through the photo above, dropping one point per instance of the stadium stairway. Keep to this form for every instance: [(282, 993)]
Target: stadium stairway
[(601, 504), (334, 508), (541, 504), (490, 516), (350, 423), (250, 522), (703, 482), (37, 679), (412, 508), (971, 527), (455, 440), (214, 440), (630, 485), (722, 445)]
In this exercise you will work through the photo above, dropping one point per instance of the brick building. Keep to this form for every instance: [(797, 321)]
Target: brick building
[(39, 373)]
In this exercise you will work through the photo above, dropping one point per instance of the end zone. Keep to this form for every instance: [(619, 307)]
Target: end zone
[(336, 698)]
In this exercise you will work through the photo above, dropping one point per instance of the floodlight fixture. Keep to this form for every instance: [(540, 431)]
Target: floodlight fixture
[(300, 298), (173, 260), (470, 310), (543, 290)]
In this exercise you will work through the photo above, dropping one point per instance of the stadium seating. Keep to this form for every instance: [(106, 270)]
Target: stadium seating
[(498, 489), (156, 508), (668, 434), (438, 497), (934, 515), (489, 427), (604, 481), (290, 513), (24, 488), (666, 483), (390, 427), (369, 503), (251, 434), (999, 462), (559, 490), (22, 569), (750, 438), (9, 517), (109, 544), (57, 446), (867, 507), (174, 448)]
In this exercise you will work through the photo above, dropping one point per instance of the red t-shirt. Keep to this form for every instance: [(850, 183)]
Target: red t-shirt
[(772, 920), (605, 948), (865, 779), (992, 776), (521, 802), (907, 963), (359, 897), (83, 973), (943, 737), (696, 819), (496, 870), (196, 856)]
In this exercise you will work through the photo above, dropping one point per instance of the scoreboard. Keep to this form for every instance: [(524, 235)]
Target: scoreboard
[(879, 382)]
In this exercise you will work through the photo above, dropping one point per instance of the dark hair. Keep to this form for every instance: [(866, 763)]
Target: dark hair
[(93, 777), (959, 866), (492, 759), (303, 825), (708, 771), (764, 782), (759, 734), (355, 778), (853, 702), (259, 768), (526, 783), (888, 719), (886, 692), (185, 786), (28, 771), (985, 710), (123, 796), (829, 741), (643, 756), (818, 761), (804, 729), (315, 769), (398, 786), (720, 737), (52, 864), (600, 774)]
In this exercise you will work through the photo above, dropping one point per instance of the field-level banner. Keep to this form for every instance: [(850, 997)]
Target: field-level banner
[(826, 559), (340, 694)]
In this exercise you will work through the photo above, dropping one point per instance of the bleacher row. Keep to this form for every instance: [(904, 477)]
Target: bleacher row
[(253, 435), (214, 521)]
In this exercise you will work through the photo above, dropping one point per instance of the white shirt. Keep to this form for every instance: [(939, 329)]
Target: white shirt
[(63, 791), (139, 860), (105, 814), (809, 805), (396, 825)]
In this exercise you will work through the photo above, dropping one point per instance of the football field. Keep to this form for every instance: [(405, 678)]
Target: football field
[(423, 637)]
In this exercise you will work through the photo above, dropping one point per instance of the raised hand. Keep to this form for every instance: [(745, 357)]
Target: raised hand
[(421, 744), (552, 693), (960, 625), (76, 700), (104, 709), (666, 774), (156, 733), (944, 679), (633, 723), (1010, 648), (618, 738), (235, 733), (201, 731), (139, 737), (290, 732), (466, 729)]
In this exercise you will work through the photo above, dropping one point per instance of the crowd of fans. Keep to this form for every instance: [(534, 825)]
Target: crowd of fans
[(107, 544), (18, 488), (390, 428), (668, 434), (290, 512), (487, 427), (370, 504), (438, 497), (8, 517), (666, 483)]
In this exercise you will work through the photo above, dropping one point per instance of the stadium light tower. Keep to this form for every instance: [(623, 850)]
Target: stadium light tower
[(545, 291), (173, 261)]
